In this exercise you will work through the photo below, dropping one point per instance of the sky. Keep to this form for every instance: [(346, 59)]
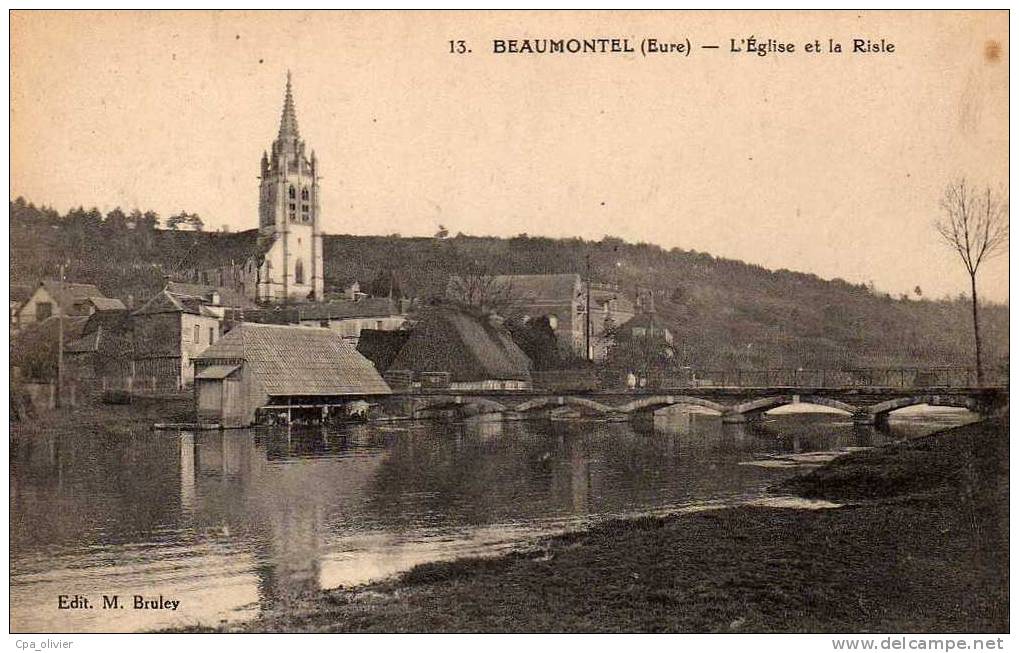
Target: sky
[(832, 164)]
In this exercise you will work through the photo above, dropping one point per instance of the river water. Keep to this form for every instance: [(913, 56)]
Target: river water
[(228, 523)]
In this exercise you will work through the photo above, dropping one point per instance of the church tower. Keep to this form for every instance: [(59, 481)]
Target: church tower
[(289, 216)]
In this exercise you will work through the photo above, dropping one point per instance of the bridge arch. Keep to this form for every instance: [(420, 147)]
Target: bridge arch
[(482, 404), (664, 401), (765, 404), (884, 408), (555, 402)]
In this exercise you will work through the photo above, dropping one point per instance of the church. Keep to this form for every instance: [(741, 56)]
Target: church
[(283, 264)]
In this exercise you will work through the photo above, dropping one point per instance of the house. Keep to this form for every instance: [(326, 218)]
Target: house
[(256, 365), (61, 298), (647, 324), (349, 318), (476, 352), (646, 335), (169, 331), (609, 308), (104, 348), (559, 297)]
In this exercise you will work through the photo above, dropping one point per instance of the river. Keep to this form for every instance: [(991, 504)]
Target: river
[(230, 522)]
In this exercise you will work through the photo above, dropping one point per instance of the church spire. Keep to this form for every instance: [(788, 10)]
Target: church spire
[(288, 122)]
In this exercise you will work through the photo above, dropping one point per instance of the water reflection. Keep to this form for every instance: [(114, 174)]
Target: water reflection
[(234, 522)]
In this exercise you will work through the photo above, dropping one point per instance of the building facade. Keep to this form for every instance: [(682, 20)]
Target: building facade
[(169, 331)]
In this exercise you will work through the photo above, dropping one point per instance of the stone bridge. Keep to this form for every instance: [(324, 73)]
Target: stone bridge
[(870, 405)]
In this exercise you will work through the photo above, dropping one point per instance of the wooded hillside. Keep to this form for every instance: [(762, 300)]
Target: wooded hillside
[(724, 313)]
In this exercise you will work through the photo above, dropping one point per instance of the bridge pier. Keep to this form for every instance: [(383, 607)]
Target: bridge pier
[(733, 417)]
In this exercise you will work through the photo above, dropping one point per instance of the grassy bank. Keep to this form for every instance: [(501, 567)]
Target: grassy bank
[(91, 416), (921, 545)]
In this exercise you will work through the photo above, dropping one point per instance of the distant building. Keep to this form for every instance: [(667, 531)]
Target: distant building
[(169, 330), (63, 298), (256, 365), (610, 308), (647, 326), (562, 298), (349, 318), (476, 352)]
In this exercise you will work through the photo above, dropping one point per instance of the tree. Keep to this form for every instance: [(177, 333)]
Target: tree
[(174, 221), (974, 224), (482, 291), (537, 339)]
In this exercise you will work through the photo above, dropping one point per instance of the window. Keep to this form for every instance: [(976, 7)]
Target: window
[(198, 334), (378, 324), (292, 193), (43, 310), (212, 335), (304, 194), (299, 271)]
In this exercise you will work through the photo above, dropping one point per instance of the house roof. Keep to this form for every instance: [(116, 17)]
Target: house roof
[(67, 294), (470, 348), (620, 302), (227, 296), (217, 371), (107, 331), (117, 320), (168, 302), (107, 304), (343, 310), (298, 360)]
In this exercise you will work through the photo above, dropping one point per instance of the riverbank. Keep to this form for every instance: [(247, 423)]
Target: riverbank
[(921, 545), (93, 417)]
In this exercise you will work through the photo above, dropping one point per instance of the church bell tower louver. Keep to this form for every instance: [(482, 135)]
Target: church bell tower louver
[(289, 215)]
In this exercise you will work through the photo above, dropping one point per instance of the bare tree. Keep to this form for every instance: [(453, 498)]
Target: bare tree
[(975, 225), (488, 293)]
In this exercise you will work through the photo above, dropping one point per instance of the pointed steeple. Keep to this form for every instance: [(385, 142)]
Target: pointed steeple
[(288, 122)]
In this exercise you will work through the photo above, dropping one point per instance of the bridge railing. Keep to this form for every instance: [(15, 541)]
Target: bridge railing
[(902, 377)]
